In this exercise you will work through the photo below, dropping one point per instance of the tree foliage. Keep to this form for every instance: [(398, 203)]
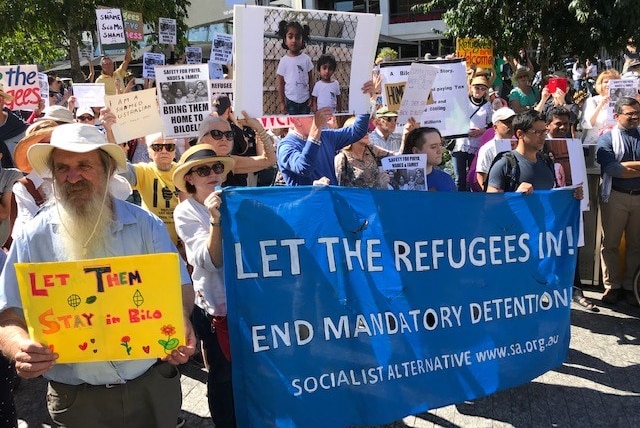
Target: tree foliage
[(39, 31), (558, 27)]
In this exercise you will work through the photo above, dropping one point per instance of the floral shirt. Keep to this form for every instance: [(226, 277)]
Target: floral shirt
[(360, 172)]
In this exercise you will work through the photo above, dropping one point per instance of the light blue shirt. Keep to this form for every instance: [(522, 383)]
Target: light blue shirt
[(134, 232)]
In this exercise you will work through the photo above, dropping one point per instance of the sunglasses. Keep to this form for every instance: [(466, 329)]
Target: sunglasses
[(205, 170), (390, 119), (84, 118), (158, 147), (217, 135), (126, 143)]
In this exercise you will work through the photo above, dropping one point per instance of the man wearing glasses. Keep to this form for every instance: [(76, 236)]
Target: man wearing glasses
[(384, 135), (531, 169), (154, 180), (618, 153)]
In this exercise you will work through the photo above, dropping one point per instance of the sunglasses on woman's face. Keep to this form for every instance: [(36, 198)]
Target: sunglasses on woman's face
[(158, 147), (217, 135), (85, 118), (205, 170)]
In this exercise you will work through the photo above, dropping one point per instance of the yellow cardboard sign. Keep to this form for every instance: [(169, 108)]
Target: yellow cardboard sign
[(120, 308), (477, 52)]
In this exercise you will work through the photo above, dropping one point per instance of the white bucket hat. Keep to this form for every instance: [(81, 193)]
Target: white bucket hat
[(57, 113), (77, 138)]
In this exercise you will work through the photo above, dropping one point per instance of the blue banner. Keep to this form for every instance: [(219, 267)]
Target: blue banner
[(359, 307)]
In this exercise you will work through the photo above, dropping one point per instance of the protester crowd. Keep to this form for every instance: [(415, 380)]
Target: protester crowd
[(65, 182)]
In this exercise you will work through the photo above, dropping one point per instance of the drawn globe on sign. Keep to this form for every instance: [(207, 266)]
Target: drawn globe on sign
[(74, 300), (137, 298)]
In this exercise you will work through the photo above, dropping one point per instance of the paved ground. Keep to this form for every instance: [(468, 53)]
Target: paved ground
[(599, 386)]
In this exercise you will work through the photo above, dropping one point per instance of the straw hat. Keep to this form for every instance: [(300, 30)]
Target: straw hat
[(57, 113), (197, 155), (37, 133), (77, 138), (4, 95)]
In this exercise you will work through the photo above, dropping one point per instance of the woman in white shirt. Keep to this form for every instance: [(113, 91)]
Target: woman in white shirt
[(597, 117)]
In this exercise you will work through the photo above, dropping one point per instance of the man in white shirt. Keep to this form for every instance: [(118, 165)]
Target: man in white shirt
[(501, 120)]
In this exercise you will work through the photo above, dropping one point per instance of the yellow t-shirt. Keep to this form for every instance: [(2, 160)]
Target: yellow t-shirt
[(110, 81), (158, 193)]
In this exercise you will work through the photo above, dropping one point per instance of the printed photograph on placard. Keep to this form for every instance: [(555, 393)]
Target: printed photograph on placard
[(310, 60)]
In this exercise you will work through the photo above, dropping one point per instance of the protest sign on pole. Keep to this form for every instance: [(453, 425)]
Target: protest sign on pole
[(150, 60), (221, 48), (119, 308), (447, 107), (167, 31), (184, 98), (352, 42), (193, 54), (417, 93), (43, 82), (476, 52), (133, 25), (22, 83), (136, 114), (111, 29), (380, 309), (89, 94)]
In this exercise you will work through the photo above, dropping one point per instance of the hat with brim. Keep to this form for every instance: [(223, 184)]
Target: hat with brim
[(385, 112), (197, 155), (76, 138), (20, 152), (4, 95), (57, 113), (522, 72), (480, 80)]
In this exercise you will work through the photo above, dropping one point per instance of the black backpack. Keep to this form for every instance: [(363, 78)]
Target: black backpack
[(512, 179)]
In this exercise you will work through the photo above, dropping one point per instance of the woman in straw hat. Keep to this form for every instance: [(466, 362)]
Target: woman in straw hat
[(197, 220), (523, 96)]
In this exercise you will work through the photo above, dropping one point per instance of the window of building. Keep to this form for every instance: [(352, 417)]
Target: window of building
[(363, 6)]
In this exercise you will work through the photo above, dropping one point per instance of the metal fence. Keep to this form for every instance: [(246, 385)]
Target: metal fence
[(329, 34)]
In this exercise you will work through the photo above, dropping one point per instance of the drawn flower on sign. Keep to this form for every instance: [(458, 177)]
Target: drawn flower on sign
[(138, 300), (74, 300), (125, 342), (171, 343)]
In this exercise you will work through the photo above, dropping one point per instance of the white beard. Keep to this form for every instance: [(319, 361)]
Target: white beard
[(85, 226)]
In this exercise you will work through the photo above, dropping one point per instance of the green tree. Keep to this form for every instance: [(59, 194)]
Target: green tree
[(42, 31), (556, 27)]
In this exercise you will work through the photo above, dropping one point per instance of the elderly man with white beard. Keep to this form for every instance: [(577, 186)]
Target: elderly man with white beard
[(83, 221)]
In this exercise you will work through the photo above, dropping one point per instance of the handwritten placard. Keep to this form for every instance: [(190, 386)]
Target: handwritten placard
[(417, 94), (21, 82), (167, 32), (477, 52), (221, 48), (110, 26), (136, 113), (121, 308), (133, 25), (89, 94)]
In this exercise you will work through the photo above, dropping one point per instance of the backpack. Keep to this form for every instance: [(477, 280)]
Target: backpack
[(512, 179)]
